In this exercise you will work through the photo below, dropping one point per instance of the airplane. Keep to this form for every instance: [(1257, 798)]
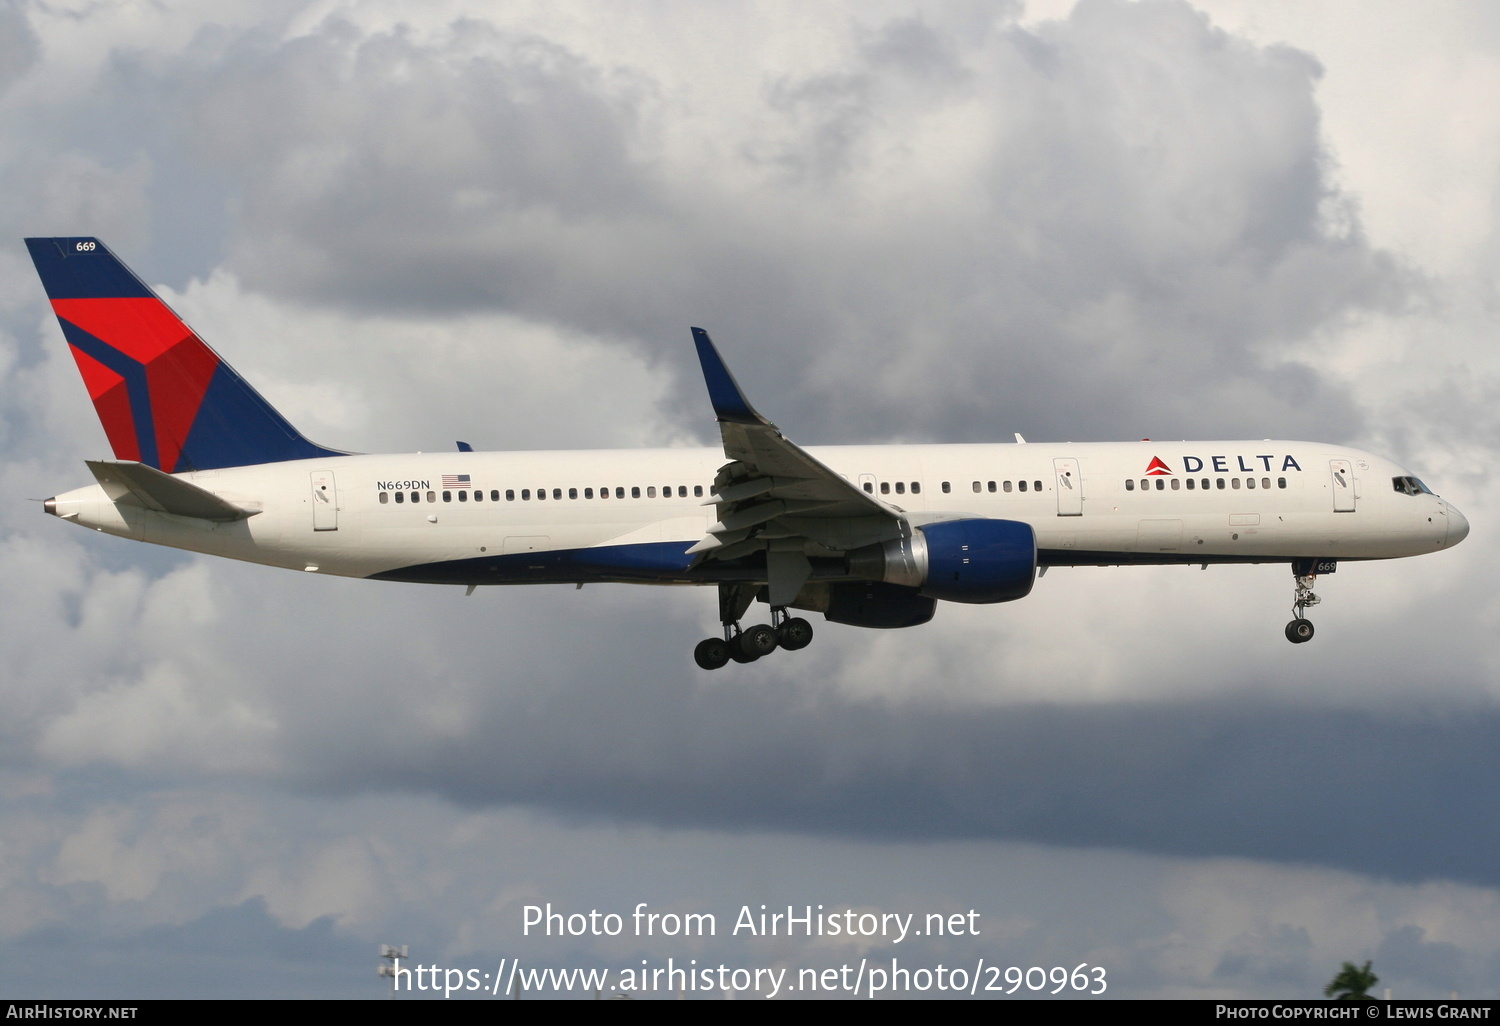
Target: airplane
[(868, 535)]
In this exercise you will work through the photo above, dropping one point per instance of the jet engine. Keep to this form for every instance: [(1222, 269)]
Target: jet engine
[(977, 560)]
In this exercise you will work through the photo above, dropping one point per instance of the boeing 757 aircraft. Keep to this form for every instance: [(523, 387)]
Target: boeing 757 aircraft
[(869, 535)]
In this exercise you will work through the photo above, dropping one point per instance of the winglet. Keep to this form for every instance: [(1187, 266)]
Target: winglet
[(730, 404)]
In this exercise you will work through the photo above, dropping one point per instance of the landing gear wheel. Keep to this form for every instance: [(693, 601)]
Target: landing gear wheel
[(1304, 576), (795, 634), (757, 641), (711, 653)]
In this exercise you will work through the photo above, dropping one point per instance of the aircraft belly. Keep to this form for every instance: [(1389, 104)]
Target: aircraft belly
[(519, 550)]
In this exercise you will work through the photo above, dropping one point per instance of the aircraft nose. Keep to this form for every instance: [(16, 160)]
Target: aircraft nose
[(1458, 525)]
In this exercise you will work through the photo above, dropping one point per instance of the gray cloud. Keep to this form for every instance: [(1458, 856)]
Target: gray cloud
[(1125, 213), (232, 952), (18, 45), (1325, 787)]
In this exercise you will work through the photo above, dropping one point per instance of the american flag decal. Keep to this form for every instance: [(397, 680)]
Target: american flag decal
[(455, 480)]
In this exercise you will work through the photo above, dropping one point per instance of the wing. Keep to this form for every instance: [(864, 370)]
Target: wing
[(775, 497)]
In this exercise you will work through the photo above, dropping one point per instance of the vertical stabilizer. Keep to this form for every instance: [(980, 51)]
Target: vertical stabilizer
[(164, 397)]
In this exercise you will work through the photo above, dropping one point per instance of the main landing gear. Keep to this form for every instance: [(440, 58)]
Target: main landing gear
[(1301, 629), (749, 644)]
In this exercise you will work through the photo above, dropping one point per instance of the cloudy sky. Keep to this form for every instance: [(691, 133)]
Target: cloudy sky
[(410, 223)]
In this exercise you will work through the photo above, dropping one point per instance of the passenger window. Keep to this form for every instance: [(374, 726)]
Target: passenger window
[(416, 496), (1036, 486), (1007, 486), (588, 493), (1130, 484), (1281, 482), (541, 493), (385, 497), (1021, 485), (1190, 484), (916, 487), (447, 496), (510, 495), (400, 496), (869, 488), (635, 493), (1249, 482), (525, 494), (479, 495), (463, 496), (572, 493), (1234, 482), (1221, 483), (1161, 484), (900, 487), (885, 488), (651, 491), (1176, 485), (947, 488), (697, 491), (992, 486), (557, 493), (682, 491), (1265, 482), (432, 496), (619, 491), (495, 495)]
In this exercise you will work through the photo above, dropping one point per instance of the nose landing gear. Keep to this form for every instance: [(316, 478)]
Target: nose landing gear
[(1304, 574)]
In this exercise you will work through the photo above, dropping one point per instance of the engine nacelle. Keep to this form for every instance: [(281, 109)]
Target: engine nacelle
[(977, 560), (873, 604)]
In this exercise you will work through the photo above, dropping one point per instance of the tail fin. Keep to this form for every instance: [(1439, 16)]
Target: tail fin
[(164, 397)]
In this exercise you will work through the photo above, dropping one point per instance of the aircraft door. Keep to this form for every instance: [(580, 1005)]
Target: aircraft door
[(1343, 485), (325, 501), (1069, 487)]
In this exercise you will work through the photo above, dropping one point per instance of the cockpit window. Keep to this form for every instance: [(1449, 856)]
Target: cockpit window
[(1410, 486)]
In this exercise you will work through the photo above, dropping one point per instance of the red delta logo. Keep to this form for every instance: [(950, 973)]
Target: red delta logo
[(1156, 467)]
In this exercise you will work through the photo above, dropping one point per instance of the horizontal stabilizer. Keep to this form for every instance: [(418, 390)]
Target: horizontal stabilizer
[(140, 485)]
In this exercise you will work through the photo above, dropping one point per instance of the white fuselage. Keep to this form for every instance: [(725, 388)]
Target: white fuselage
[(1088, 503)]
